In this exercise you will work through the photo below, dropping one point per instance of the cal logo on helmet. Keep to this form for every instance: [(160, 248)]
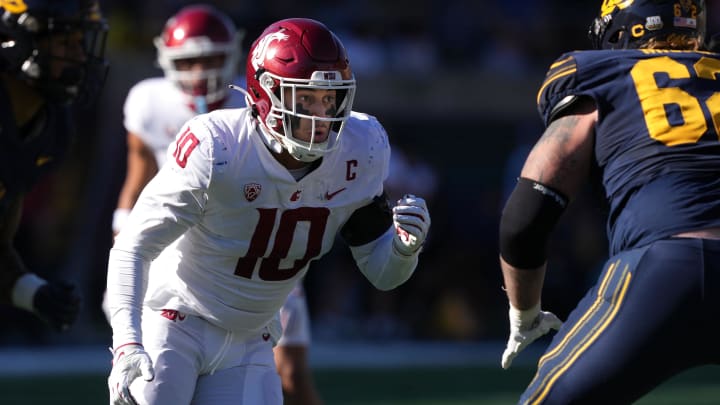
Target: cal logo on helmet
[(608, 6), (14, 6)]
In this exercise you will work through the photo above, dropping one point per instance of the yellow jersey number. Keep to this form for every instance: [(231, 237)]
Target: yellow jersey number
[(653, 99)]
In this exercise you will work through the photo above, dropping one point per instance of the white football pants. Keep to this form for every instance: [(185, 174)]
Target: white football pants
[(200, 364)]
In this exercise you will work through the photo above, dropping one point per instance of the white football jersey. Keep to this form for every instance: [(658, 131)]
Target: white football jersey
[(236, 230), (155, 110)]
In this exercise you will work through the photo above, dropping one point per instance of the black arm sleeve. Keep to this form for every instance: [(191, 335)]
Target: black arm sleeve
[(529, 216), (368, 223)]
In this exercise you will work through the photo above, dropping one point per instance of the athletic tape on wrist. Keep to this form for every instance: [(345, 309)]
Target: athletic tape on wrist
[(24, 291)]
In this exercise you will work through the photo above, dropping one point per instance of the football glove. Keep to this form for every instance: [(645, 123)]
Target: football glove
[(526, 327), (130, 361), (57, 303), (412, 221)]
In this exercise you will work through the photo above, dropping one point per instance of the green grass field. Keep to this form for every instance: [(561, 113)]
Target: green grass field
[(386, 386)]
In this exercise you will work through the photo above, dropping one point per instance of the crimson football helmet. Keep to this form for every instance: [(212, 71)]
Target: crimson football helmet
[(631, 23), (200, 31), (57, 46), (295, 54)]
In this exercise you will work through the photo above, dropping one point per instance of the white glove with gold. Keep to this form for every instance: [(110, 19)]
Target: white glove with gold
[(526, 327)]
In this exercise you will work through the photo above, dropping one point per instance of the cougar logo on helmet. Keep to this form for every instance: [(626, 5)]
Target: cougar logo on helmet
[(260, 52), (609, 5)]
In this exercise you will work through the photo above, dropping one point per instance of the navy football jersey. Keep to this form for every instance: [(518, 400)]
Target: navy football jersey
[(27, 153), (658, 129)]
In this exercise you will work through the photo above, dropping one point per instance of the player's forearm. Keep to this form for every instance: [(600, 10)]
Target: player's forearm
[(382, 264), (141, 167), (523, 286), (11, 269), (126, 284)]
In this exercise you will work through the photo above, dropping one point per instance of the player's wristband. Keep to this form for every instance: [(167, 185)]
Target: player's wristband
[(119, 218), (525, 317), (24, 291)]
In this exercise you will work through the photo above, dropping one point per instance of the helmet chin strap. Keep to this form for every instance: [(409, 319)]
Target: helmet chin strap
[(273, 143)]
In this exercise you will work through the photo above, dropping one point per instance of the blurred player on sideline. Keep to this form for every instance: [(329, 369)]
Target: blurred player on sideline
[(642, 113), (52, 55)]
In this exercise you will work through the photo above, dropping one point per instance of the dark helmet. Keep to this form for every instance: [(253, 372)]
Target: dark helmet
[(624, 24), (74, 29)]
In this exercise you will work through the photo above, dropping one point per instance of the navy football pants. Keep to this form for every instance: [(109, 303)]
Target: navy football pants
[(654, 312)]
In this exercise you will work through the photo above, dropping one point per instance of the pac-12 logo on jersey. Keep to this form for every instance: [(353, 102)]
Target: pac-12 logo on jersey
[(252, 191)]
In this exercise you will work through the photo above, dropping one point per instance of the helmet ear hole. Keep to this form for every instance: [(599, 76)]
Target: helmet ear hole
[(614, 38)]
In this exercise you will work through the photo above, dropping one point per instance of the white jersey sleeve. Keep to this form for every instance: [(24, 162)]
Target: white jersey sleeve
[(171, 203), (378, 260), (155, 111)]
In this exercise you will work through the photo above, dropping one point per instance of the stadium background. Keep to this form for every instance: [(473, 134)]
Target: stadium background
[(454, 83)]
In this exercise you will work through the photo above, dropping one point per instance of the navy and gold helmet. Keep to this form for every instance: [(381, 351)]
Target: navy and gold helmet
[(57, 46), (628, 24)]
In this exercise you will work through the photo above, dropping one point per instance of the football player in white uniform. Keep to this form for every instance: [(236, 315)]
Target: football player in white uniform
[(225, 230), (199, 50)]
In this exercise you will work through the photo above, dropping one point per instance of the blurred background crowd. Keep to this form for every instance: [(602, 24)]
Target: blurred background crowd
[(454, 83)]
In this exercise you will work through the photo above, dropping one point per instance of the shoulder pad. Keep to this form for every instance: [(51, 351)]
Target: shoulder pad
[(560, 80)]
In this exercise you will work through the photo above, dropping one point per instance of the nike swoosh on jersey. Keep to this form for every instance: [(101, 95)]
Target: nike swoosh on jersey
[(329, 196)]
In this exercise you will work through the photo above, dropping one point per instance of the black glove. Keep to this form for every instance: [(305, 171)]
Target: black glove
[(58, 304)]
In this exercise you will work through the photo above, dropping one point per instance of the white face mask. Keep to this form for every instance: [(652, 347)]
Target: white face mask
[(285, 114)]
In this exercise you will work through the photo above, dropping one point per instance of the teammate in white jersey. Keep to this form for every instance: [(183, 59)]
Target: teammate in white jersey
[(247, 200), (199, 51)]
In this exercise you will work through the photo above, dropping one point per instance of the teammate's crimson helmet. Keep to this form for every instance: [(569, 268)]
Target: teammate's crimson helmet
[(80, 30), (297, 53), (200, 31), (625, 24)]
